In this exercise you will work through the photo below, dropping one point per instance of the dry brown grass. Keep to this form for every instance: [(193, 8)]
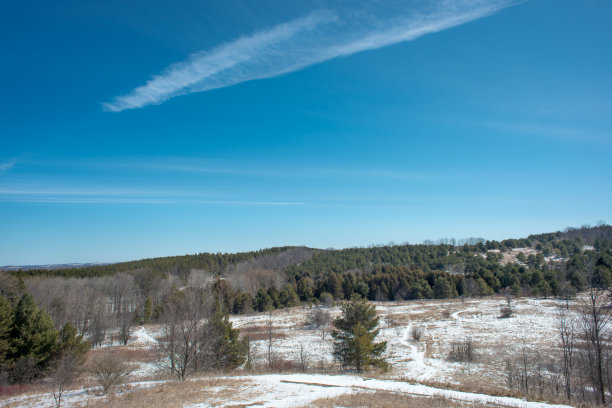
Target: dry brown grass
[(260, 332), (9, 391), (384, 399), (429, 349), (175, 395), (127, 354), (478, 384)]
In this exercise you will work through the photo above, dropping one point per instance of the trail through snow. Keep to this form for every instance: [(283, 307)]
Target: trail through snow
[(417, 366)]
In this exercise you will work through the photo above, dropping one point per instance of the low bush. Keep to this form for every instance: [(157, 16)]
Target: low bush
[(417, 333), (462, 351), (110, 370)]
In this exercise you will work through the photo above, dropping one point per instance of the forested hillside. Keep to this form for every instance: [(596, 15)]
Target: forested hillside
[(104, 302), (176, 265), (550, 264)]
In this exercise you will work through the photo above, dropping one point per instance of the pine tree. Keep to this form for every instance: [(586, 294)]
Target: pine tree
[(227, 351), (6, 323), (263, 301), (33, 336), (443, 289), (147, 312), (354, 340), (71, 343)]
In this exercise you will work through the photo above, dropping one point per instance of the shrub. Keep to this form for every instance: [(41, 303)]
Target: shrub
[(462, 351), (110, 371), (320, 319), (417, 333), (327, 299), (505, 312)]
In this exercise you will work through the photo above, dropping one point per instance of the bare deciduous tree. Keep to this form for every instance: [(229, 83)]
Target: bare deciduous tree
[(595, 325), (65, 373), (270, 333), (248, 365), (304, 356), (320, 319), (567, 329), (183, 332)]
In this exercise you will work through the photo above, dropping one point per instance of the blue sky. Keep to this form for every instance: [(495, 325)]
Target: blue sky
[(151, 128)]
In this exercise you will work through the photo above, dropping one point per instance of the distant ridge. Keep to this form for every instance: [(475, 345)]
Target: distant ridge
[(51, 267), (290, 257)]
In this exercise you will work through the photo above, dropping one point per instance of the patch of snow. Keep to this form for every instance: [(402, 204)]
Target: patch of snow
[(293, 390), (141, 337)]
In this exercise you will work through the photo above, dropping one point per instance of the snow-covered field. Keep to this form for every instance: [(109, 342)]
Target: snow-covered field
[(532, 327), (296, 390), (285, 390)]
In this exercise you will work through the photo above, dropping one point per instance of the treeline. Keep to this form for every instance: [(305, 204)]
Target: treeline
[(419, 272), (176, 265), (103, 305), (427, 256)]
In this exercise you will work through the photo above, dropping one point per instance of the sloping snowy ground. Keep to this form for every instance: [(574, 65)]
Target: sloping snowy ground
[(289, 390), (71, 398), (295, 390), (533, 326)]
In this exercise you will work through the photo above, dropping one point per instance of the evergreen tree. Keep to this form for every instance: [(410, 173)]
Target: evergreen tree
[(420, 290), (227, 351), (305, 289), (354, 340), (443, 289), (516, 290), (6, 323), (243, 303), (33, 336), (71, 343), (263, 301), (544, 289), (288, 297), (147, 311), (333, 285)]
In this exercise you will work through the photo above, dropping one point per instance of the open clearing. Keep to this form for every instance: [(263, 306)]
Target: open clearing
[(418, 368)]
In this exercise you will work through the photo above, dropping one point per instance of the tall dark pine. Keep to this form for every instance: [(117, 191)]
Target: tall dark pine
[(6, 323), (227, 351), (33, 336), (354, 344)]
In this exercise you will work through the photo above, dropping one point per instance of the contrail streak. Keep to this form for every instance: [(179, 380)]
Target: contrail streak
[(319, 36)]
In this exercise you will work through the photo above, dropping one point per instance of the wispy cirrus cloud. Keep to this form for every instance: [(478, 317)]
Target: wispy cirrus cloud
[(262, 169), (552, 131), (319, 36), (131, 196), (8, 165)]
